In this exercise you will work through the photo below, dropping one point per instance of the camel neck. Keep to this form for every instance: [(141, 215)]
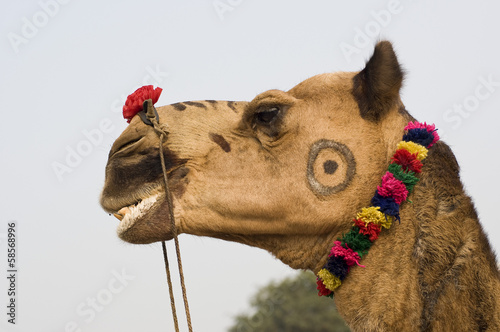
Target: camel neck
[(428, 272)]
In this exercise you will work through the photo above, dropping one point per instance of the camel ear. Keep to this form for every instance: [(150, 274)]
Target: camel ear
[(376, 87)]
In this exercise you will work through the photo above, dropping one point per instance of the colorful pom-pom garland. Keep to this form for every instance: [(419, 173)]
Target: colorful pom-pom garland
[(397, 183)]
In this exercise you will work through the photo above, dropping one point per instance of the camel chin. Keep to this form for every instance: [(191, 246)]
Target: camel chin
[(146, 221)]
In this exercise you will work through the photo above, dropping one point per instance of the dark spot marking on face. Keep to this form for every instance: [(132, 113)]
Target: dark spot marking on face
[(347, 157), (196, 104), (211, 101), (330, 166), (221, 141), (179, 106), (231, 105)]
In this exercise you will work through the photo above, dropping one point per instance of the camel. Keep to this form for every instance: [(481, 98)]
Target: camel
[(288, 171)]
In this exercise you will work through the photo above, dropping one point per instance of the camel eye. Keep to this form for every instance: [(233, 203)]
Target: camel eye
[(268, 115)]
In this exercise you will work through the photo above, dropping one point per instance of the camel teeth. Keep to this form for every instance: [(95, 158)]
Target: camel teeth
[(129, 214), (125, 210)]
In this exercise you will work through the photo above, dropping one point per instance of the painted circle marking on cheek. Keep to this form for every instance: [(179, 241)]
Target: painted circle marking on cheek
[(338, 167)]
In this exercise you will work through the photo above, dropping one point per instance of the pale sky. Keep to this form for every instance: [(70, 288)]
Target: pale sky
[(66, 67)]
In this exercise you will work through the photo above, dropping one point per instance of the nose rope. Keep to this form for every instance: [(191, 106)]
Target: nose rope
[(150, 117)]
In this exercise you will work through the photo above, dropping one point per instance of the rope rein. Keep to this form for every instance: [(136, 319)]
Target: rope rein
[(170, 288), (152, 117)]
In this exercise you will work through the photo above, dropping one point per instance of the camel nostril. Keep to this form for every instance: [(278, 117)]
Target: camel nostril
[(128, 144)]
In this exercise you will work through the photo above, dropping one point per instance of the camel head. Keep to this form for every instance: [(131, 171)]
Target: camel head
[(286, 171)]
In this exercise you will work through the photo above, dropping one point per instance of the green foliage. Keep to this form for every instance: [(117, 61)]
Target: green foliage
[(292, 305)]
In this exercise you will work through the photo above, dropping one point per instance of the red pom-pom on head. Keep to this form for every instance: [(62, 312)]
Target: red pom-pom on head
[(134, 102)]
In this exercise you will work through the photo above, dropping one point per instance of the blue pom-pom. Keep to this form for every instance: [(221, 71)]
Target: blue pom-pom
[(387, 205), (419, 135), (337, 266)]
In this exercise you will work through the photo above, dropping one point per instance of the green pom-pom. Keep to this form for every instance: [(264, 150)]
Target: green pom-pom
[(408, 178), (356, 241)]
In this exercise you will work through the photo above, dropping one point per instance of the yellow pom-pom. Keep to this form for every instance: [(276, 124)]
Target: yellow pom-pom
[(387, 223), (372, 214), (329, 280), (412, 148)]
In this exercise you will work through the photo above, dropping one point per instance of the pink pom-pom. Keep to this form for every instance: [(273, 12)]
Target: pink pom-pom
[(392, 187), (431, 128), (337, 249), (350, 256)]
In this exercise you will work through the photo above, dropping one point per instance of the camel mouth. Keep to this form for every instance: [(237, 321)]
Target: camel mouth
[(128, 215), (146, 221), (142, 211)]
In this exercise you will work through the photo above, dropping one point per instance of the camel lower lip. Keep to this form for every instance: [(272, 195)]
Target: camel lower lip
[(146, 221), (130, 214)]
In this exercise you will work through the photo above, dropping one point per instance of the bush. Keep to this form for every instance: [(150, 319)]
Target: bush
[(292, 305)]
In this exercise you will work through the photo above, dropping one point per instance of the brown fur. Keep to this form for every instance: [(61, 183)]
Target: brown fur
[(248, 172)]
